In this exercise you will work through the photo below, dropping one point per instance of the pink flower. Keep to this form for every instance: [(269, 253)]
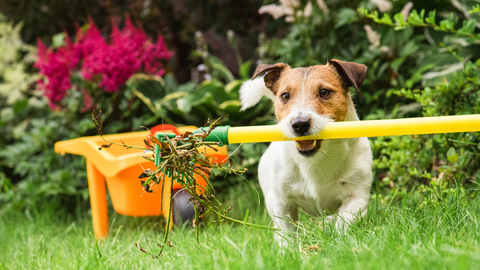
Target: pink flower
[(153, 53), (87, 43), (129, 51), (87, 101), (55, 66)]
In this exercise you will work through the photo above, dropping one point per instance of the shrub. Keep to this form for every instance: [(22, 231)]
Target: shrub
[(31, 171), (102, 65), (408, 160), (322, 30)]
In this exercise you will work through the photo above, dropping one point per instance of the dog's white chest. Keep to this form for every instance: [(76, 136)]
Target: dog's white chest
[(315, 192), (319, 184)]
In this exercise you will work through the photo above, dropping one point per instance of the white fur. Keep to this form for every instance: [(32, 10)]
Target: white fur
[(252, 91), (335, 181), (318, 121)]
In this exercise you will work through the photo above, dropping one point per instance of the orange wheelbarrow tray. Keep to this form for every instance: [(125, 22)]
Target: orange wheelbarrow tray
[(120, 167)]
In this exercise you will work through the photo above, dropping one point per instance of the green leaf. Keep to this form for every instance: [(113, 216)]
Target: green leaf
[(395, 65), (363, 11), (184, 104), (452, 155), (475, 9), (175, 95), (400, 20), (245, 69), (386, 19), (468, 27), (231, 106), (345, 16), (431, 17), (448, 25), (217, 65), (152, 87), (418, 75), (409, 48), (232, 85), (152, 105), (58, 40)]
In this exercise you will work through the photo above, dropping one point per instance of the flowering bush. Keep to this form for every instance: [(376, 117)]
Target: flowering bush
[(107, 64)]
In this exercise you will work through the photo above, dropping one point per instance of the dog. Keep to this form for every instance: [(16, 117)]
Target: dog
[(320, 177)]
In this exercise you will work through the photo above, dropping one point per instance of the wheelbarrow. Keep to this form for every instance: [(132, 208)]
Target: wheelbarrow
[(120, 167)]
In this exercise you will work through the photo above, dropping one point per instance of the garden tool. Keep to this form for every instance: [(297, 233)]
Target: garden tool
[(225, 135)]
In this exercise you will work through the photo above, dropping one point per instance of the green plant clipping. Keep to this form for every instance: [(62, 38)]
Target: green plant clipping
[(180, 158)]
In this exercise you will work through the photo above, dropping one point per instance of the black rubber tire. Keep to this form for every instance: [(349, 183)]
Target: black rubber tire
[(182, 207)]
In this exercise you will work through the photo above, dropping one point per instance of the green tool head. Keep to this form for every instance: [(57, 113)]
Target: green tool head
[(158, 159), (219, 134)]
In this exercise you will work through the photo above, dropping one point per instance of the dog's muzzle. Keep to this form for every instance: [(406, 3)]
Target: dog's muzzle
[(308, 148), (301, 127)]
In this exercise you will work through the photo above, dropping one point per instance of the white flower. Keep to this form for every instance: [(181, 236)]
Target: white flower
[(275, 10), (384, 49), (285, 8), (373, 37), (290, 19), (406, 10), (198, 35), (383, 5), (201, 67), (308, 10), (291, 4), (323, 6)]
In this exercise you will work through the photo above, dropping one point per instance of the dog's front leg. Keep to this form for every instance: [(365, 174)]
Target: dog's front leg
[(355, 206), (283, 215)]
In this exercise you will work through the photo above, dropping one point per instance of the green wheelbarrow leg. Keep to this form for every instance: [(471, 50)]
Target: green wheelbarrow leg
[(98, 201)]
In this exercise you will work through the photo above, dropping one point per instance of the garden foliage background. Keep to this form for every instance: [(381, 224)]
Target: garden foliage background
[(181, 62)]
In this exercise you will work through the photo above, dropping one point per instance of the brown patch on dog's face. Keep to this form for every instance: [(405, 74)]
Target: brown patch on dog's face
[(309, 98), (317, 88)]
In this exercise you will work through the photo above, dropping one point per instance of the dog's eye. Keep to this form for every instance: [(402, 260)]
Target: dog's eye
[(324, 93), (285, 97)]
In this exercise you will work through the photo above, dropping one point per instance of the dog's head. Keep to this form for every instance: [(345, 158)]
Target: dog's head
[(308, 98)]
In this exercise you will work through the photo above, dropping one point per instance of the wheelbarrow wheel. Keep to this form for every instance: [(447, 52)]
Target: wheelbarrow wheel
[(182, 207)]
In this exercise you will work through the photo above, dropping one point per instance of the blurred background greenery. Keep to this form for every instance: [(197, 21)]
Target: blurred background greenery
[(414, 70)]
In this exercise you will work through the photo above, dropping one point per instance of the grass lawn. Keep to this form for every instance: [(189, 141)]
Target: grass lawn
[(419, 230)]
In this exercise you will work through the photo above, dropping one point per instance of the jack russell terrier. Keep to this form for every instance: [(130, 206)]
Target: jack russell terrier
[(331, 177)]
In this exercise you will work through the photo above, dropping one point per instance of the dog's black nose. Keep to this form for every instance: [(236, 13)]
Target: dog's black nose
[(301, 126)]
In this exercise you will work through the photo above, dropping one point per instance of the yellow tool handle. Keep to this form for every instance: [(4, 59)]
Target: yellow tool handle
[(367, 128)]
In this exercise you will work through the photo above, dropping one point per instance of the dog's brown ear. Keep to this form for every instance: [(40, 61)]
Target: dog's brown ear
[(273, 73), (352, 73)]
